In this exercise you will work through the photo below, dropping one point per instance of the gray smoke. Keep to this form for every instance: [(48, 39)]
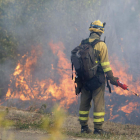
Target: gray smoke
[(68, 21)]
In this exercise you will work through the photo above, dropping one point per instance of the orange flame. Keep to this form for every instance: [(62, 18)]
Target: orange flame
[(23, 86), (64, 69), (130, 107), (120, 70)]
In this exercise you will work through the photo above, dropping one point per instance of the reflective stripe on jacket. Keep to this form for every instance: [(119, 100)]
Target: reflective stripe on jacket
[(103, 53)]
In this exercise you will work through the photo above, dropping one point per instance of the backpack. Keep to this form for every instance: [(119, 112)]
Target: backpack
[(83, 60)]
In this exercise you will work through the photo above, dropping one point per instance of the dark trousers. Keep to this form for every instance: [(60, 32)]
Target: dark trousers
[(99, 106)]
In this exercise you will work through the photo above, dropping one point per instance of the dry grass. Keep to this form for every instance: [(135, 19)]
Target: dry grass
[(22, 119), (52, 123), (117, 130)]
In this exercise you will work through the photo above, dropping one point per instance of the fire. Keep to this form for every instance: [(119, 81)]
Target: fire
[(130, 107), (120, 70), (24, 87), (64, 69)]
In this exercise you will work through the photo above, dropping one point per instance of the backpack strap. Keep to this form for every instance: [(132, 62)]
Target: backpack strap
[(95, 42), (85, 41)]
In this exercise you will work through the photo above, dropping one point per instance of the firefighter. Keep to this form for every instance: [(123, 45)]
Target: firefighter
[(96, 29)]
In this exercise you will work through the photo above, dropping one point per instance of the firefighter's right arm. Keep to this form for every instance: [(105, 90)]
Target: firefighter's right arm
[(113, 80), (106, 64)]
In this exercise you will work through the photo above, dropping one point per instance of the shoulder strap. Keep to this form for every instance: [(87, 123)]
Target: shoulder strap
[(85, 41), (95, 42)]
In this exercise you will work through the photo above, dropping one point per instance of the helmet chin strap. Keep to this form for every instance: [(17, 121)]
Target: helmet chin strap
[(98, 33)]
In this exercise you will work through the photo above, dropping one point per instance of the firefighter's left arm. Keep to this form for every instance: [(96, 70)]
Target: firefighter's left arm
[(104, 57), (106, 64)]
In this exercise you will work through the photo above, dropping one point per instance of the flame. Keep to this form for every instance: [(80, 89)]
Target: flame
[(130, 107), (23, 86), (64, 69), (121, 71)]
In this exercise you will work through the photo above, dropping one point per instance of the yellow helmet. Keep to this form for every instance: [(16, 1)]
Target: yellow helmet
[(97, 26)]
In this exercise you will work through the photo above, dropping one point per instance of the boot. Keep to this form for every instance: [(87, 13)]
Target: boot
[(100, 132), (85, 129)]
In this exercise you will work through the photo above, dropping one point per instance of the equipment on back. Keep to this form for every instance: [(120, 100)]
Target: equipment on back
[(83, 60)]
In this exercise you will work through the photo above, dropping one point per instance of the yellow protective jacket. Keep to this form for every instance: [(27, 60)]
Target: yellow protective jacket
[(101, 48)]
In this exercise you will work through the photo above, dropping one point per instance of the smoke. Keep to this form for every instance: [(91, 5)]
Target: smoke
[(68, 21), (38, 22)]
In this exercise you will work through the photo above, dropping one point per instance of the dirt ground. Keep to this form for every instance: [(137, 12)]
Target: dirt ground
[(117, 130), (25, 135), (72, 124), (13, 134), (71, 128)]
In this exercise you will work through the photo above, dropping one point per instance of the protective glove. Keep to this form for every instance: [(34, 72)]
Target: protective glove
[(79, 85), (123, 86), (113, 80)]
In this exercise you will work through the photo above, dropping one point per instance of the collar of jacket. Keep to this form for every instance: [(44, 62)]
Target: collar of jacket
[(94, 36)]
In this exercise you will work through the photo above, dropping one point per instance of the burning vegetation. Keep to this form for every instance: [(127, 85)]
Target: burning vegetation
[(26, 87)]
